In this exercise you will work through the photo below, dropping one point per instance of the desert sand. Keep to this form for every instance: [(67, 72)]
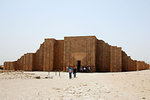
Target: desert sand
[(87, 86)]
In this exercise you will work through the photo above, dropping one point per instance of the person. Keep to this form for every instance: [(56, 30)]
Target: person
[(70, 72), (66, 68), (81, 69), (89, 69), (84, 69), (74, 72)]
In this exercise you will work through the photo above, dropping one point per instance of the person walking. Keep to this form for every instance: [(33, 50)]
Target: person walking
[(70, 72), (74, 71)]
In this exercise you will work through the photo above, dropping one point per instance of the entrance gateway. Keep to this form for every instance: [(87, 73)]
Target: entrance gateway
[(78, 65)]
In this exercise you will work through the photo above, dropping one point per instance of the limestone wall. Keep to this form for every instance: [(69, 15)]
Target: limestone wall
[(128, 64), (133, 65), (124, 61), (142, 65), (20, 64), (29, 57), (48, 57), (59, 55), (9, 65), (25, 62), (88, 50), (81, 49), (102, 56), (115, 59), (38, 59)]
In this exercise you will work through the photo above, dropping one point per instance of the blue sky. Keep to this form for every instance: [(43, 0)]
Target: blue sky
[(24, 24)]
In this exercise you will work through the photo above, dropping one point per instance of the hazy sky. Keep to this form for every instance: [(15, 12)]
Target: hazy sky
[(24, 24)]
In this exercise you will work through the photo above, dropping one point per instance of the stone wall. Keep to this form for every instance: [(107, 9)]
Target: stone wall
[(9, 65), (55, 55), (128, 64), (20, 63), (38, 59), (48, 57), (115, 59), (142, 65), (59, 55), (133, 65), (29, 57), (82, 49), (124, 61), (25, 62), (102, 56)]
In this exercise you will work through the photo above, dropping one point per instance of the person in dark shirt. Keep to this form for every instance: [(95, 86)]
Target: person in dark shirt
[(74, 71)]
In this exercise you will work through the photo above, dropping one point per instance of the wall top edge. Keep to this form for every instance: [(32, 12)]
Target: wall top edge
[(79, 36)]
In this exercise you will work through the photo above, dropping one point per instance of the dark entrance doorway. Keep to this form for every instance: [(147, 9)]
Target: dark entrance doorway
[(78, 65)]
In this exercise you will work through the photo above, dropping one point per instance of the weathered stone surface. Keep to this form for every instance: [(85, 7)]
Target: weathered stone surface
[(80, 49), (38, 59), (102, 56), (115, 59), (48, 58), (59, 55), (9, 65)]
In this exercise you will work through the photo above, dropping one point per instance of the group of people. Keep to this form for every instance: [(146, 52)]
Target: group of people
[(85, 69), (74, 70)]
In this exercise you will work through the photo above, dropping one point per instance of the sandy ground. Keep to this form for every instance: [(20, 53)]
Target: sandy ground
[(87, 86)]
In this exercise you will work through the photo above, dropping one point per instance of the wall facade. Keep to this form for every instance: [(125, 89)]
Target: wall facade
[(48, 57), (102, 56), (115, 59), (38, 59), (80, 50), (77, 51), (9, 65), (59, 55)]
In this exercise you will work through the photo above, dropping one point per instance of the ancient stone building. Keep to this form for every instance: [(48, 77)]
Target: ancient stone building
[(79, 51)]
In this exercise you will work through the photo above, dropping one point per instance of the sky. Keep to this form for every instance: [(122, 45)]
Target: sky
[(24, 24)]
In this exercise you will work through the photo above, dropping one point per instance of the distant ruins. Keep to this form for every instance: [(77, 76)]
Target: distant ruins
[(55, 55)]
